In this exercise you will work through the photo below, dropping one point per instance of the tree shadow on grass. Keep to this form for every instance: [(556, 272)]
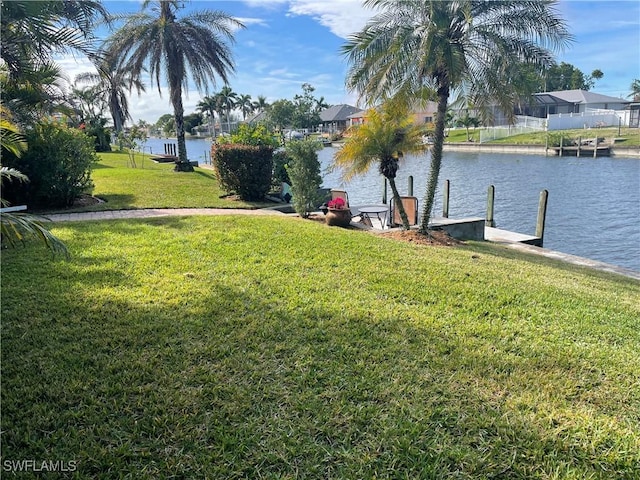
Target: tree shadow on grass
[(225, 378)]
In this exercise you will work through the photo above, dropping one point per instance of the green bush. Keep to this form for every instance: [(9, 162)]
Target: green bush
[(257, 135), (58, 162), (304, 172), (280, 175), (243, 169)]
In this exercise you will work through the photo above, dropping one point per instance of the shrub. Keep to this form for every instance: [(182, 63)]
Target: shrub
[(257, 135), (243, 169), (304, 172), (58, 162), (280, 175)]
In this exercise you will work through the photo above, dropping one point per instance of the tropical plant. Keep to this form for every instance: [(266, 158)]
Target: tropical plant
[(304, 171), (11, 140), (439, 45), (467, 120), (58, 163), (210, 105), (635, 90), (228, 99), (111, 84), (386, 135), (260, 104), (245, 105), (33, 32), (170, 46)]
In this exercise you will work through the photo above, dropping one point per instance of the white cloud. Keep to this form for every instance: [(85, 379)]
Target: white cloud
[(341, 17)]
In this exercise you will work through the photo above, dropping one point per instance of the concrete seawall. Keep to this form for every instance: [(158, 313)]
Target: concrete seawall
[(622, 152)]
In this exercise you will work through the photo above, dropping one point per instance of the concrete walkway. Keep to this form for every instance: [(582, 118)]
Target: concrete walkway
[(155, 212), (167, 212)]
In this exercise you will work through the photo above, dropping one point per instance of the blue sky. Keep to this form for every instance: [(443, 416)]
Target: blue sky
[(291, 42)]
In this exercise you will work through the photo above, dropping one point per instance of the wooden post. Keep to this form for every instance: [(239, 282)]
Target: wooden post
[(491, 192), (410, 189), (561, 143), (542, 215), (579, 145), (595, 148), (384, 192), (445, 200)]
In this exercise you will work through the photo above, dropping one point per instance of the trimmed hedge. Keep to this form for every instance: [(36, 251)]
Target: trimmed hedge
[(243, 169)]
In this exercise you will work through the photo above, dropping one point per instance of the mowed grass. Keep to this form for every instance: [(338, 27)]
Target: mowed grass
[(242, 347), (155, 185)]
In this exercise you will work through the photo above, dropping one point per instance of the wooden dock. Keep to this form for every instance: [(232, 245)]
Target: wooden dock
[(504, 236)]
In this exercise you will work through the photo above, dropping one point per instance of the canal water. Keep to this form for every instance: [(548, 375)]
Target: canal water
[(593, 209)]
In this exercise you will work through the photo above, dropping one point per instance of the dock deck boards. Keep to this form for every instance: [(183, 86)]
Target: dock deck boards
[(504, 236)]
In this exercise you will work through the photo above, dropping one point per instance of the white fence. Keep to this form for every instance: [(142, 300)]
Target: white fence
[(523, 124), (592, 118)]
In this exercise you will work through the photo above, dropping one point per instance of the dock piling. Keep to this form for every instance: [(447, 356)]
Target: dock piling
[(445, 200), (542, 215), (410, 186), (491, 191)]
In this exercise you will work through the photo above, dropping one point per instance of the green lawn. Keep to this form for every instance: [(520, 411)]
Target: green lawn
[(155, 185), (253, 347)]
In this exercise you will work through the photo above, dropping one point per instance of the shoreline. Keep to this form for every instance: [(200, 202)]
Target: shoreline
[(619, 152)]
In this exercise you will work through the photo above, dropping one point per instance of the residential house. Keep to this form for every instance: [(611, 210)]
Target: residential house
[(336, 118)]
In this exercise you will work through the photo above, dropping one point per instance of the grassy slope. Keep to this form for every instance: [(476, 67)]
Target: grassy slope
[(228, 347)]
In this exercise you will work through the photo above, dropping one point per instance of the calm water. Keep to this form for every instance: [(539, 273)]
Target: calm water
[(593, 209)]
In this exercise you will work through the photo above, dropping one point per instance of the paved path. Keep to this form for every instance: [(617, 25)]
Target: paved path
[(155, 212), (167, 212)]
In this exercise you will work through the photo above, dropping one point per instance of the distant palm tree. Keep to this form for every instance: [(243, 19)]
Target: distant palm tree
[(211, 106), (173, 47), (442, 45), (260, 104), (635, 90), (384, 137), (320, 105), (245, 105), (229, 98), (112, 85)]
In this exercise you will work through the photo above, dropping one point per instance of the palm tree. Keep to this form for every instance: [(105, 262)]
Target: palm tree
[(32, 32), (174, 47), (385, 137), (111, 84), (210, 106), (229, 99), (443, 45), (635, 90), (245, 105), (260, 104)]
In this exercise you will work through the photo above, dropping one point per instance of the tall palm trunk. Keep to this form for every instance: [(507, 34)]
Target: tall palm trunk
[(182, 165), (436, 156), (398, 202), (389, 168)]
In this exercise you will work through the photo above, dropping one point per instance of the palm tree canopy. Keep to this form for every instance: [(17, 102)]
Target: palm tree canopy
[(197, 44), (112, 83), (431, 43), (387, 134), (32, 32)]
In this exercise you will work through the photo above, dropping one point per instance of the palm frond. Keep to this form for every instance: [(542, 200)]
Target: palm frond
[(19, 228)]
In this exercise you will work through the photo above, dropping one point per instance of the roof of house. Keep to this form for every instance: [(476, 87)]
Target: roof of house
[(337, 113), (576, 97), (257, 118)]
